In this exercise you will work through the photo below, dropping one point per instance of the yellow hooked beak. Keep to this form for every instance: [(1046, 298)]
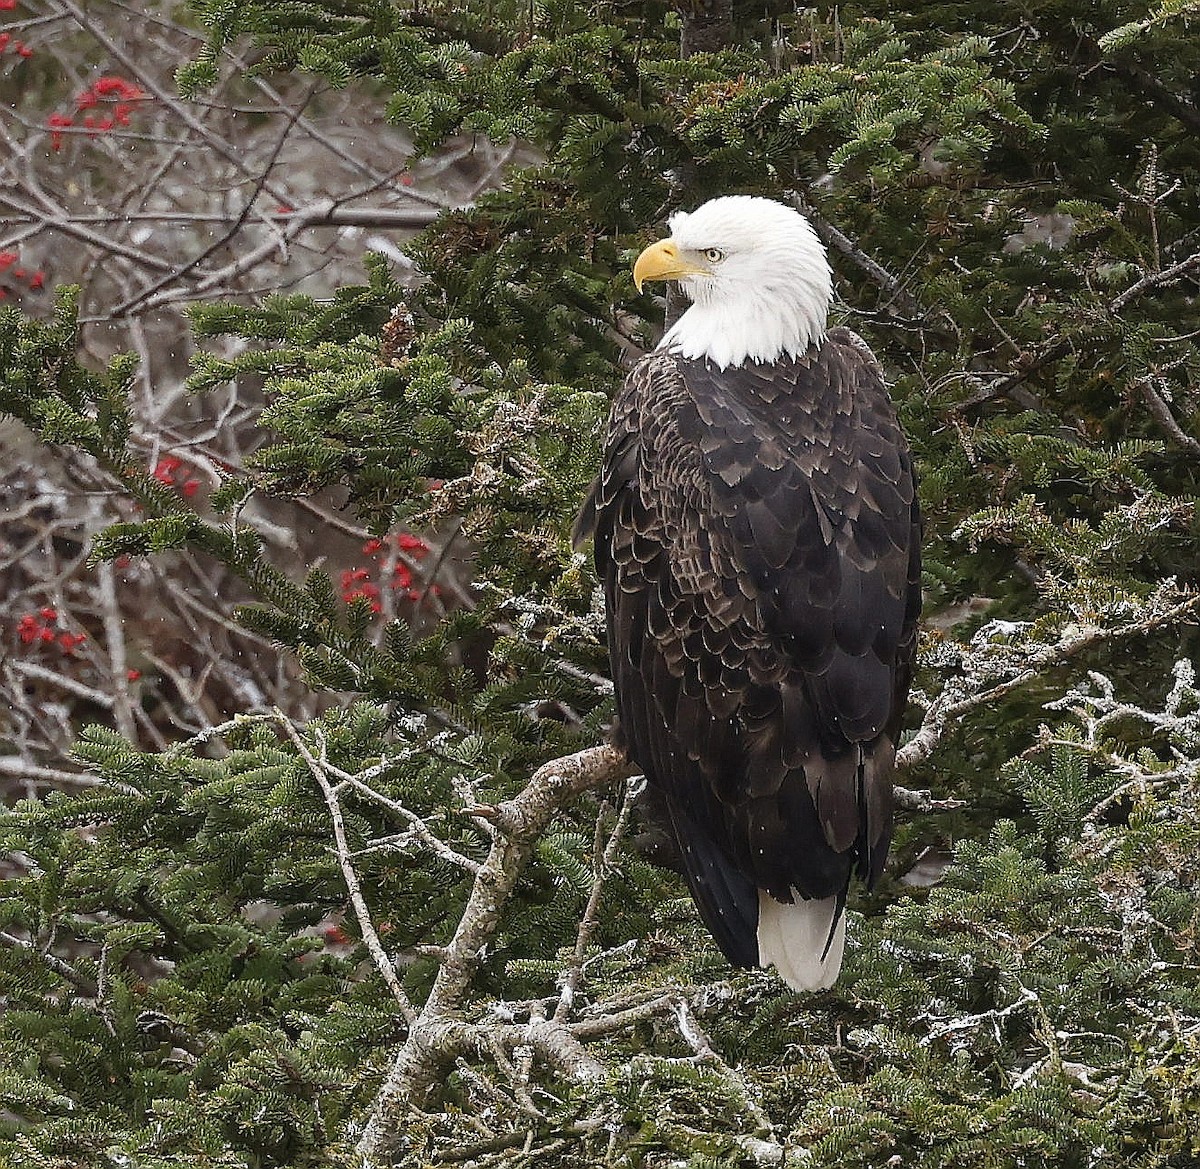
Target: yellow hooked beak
[(662, 261)]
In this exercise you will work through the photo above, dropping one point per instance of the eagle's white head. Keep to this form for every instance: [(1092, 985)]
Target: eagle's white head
[(756, 275)]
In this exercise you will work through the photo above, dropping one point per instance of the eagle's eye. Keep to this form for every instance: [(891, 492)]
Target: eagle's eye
[(714, 255)]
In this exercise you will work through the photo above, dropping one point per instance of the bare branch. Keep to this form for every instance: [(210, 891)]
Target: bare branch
[(1163, 416), (1154, 280), (370, 938), (601, 866), (433, 1036), (958, 698)]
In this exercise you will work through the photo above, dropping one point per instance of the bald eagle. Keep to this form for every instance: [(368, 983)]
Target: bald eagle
[(757, 533)]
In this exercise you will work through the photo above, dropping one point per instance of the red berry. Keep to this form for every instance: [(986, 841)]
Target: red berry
[(407, 542), (165, 468)]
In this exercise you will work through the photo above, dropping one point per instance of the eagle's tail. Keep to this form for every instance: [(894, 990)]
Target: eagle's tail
[(804, 941)]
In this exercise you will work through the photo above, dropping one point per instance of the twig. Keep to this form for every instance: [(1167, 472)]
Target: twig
[(1060, 347), (587, 924), (168, 99), (1154, 280), (114, 636), (390, 218), (61, 968), (20, 768), (417, 828), (696, 1038), (370, 938), (910, 800), (54, 678), (875, 271)]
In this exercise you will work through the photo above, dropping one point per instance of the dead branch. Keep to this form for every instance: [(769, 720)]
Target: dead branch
[(957, 699), (436, 1033), (370, 938)]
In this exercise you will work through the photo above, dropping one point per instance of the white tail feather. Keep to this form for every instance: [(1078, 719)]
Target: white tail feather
[(792, 938)]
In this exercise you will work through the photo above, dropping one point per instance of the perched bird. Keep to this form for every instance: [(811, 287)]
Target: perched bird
[(757, 534)]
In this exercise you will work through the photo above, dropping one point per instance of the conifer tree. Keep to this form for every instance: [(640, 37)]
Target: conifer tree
[(429, 925)]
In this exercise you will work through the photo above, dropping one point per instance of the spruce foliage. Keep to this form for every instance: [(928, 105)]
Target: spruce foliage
[(188, 976)]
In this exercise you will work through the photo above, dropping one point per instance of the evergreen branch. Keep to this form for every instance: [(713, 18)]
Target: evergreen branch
[(943, 1027), (61, 968), (1143, 81), (875, 272), (1031, 363), (370, 938), (707, 26), (435, 1032), (1027, 366), (696, 1038)]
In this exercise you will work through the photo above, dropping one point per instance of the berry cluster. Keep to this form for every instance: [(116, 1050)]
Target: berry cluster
[(9, 43), (171, 472), (39, 629), (10, 266), (113, 94), (358, 585)]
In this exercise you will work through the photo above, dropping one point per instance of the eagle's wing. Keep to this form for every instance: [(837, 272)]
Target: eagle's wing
[(757, 534)]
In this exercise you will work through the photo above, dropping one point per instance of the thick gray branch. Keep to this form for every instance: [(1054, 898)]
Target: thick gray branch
[(436, 1035)]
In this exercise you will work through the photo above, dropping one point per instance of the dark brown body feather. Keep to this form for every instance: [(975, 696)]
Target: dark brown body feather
[(757, 534)]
